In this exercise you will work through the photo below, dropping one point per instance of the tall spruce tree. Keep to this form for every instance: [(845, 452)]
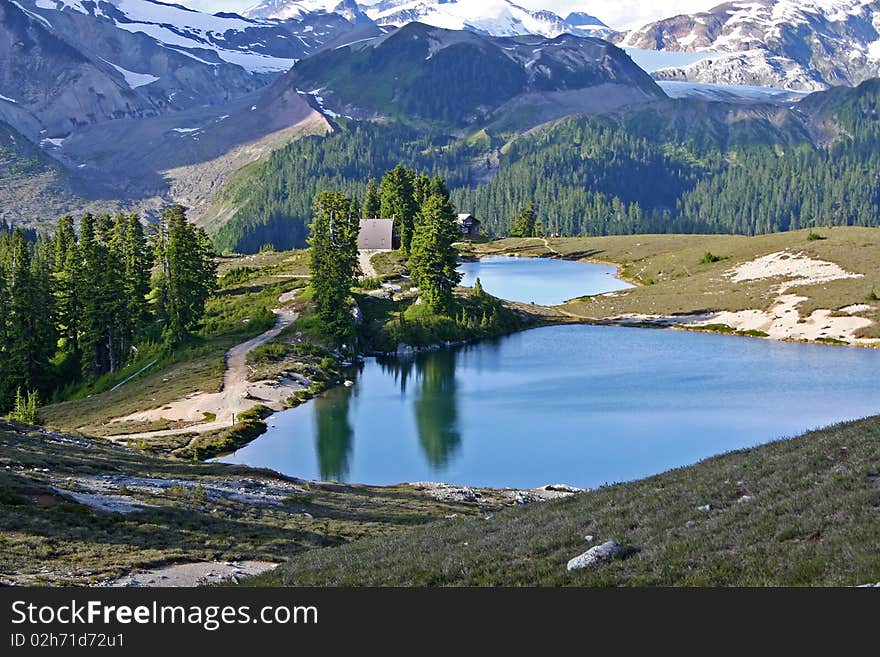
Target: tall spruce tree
[(433, 260), (27, 337), (187, 274), (5, 371), (523, 224), (372, 200), (136, 274), (67, 284), (334, 261), (398, 203)]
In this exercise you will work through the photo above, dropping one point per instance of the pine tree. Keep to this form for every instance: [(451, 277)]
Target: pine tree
[(421, 188), (187, 274), (478, 289), (136, 276), (334, 261), (372, 200), (434, 260), (67, 284), (523, 224), (5, 372), (29, 336), (398, 203)]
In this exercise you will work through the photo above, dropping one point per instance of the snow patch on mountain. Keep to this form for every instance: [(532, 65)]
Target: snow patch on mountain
[(132, 79), (725, 92), (180, 29), (288, 9), (493, 17), (33, 14), (793, 44)]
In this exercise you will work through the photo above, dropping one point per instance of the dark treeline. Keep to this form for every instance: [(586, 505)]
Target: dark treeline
[(75, 306), (594, 175), (30, 234), (274, 199)]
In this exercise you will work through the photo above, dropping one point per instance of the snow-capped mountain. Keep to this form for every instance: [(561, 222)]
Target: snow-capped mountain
[(299, 9), (490, 17), (255, 45), (493, 17), (792, 44)]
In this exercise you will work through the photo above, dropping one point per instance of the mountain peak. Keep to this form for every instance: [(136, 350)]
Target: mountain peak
[(804, 44), (299, 9)]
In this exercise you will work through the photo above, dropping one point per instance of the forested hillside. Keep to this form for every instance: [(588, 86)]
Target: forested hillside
[(80, 305), (678, 166)]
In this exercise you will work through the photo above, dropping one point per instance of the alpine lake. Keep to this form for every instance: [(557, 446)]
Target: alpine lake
[(575, 404)]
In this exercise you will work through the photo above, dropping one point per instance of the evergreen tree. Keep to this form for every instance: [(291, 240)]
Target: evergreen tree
[(27, 337), (187, 273), (398, 203), (523, 224), (434, 260), (136, 275), (421, 188), (67, 284), (334, 261), (372, 201)]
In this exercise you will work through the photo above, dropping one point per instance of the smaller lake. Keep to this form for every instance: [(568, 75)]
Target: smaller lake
[(541, 280)]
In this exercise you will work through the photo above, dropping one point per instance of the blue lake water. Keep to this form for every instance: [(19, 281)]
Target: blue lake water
[(581, 405), (540, 280)]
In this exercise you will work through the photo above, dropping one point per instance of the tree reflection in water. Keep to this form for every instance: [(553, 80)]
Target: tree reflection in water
[(334, 433), (434, 401)]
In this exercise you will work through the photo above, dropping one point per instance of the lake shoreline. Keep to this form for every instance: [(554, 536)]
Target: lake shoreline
[(554, 383), (816, 328)]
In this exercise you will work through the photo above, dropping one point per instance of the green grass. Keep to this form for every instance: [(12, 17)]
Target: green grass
[(803, 512), (724, 329), (387, 324), (47, 539), (240, 310), (201, 447), (671, 283)]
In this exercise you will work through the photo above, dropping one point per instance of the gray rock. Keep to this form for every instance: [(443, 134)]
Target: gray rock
[(705, 507), (595, 556)]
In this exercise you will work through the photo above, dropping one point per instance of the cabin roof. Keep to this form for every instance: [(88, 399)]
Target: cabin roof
[(376, 234)]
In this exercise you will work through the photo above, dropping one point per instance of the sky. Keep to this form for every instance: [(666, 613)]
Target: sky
[(619, 14)]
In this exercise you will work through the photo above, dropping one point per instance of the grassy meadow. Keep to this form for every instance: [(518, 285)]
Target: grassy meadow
[(242, 309), (802, 512), (674, 276)]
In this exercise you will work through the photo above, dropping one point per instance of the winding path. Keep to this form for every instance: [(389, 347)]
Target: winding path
[(365, 258), (236, 396)]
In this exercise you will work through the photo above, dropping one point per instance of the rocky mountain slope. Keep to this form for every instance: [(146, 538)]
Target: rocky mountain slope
[(803, 45), (421, 72), (65, 64)]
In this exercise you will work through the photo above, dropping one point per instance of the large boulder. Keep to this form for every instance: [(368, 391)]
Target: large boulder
[(593, 557)]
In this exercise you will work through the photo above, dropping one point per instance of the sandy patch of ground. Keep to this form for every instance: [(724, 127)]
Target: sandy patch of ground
[(782, 321), (194, 574), (238, 394), (365, 259), (798, 268)]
